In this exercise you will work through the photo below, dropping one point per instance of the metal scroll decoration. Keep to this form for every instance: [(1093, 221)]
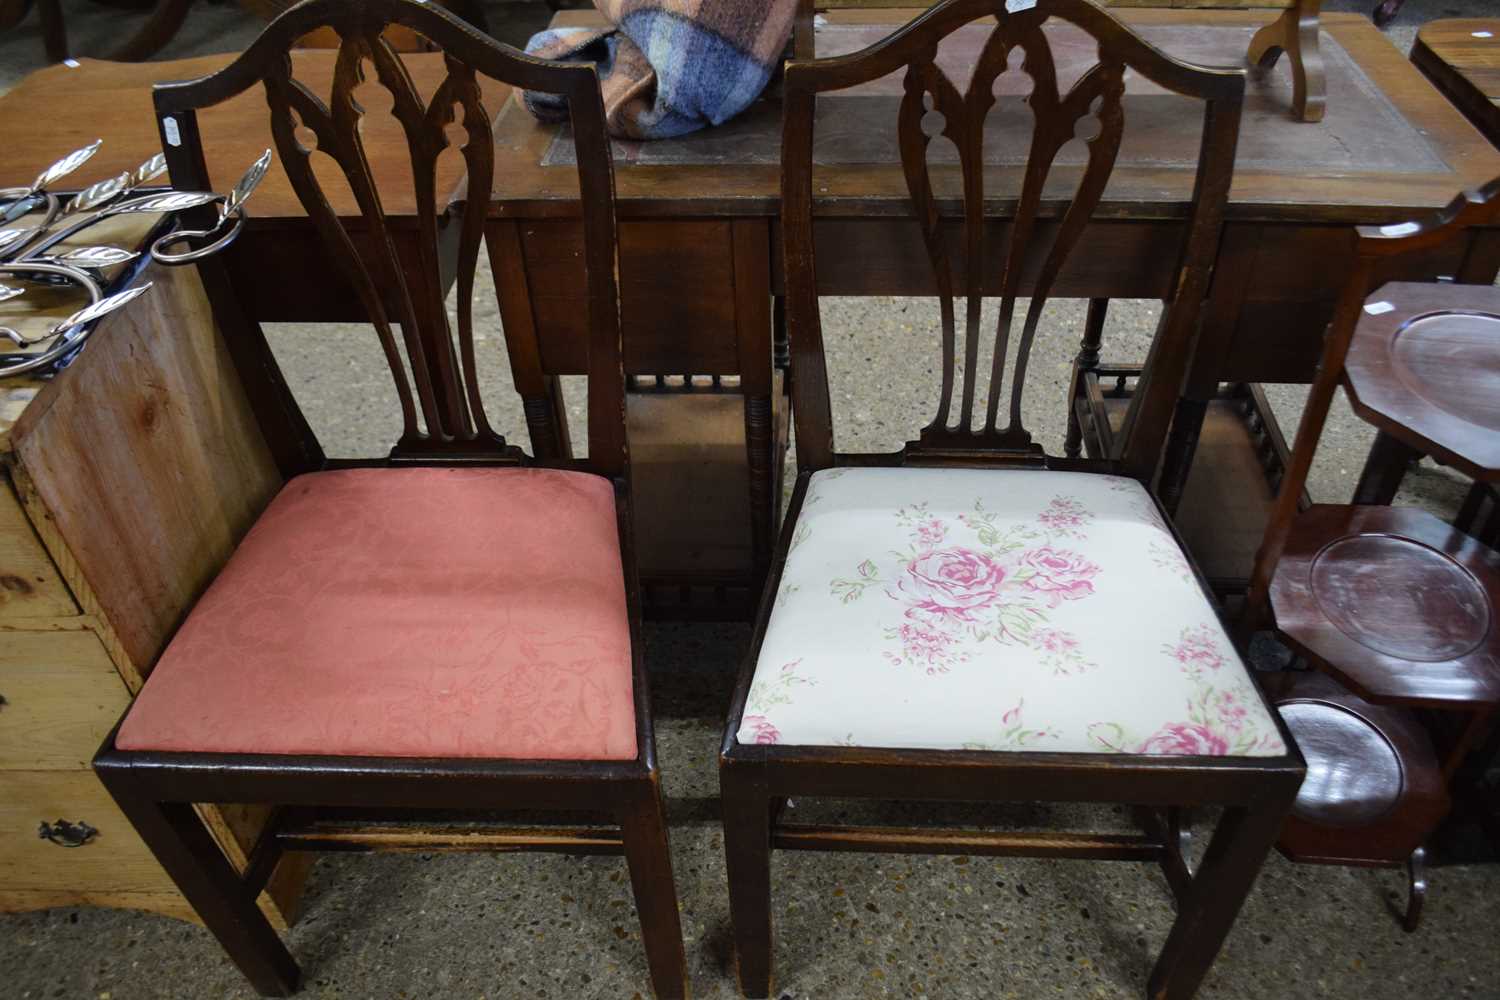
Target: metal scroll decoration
[(35, 222)]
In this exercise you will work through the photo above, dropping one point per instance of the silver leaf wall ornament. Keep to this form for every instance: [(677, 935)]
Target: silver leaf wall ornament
[(172, 201), (97, 194), (65, 166), (97, 256), (103, 307), (246, 186), (149, 171), (41, 254)]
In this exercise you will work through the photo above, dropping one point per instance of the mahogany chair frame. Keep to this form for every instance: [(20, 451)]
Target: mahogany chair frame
[(756, 780), (350, 803)]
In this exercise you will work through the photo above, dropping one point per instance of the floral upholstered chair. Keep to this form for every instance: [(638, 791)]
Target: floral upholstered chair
[(401, 651), (970, 619)]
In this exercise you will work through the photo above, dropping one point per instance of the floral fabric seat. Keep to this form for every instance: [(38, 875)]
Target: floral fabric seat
[(956, 609)]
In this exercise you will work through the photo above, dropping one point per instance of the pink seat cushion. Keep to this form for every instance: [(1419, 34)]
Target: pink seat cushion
[(408, 613)]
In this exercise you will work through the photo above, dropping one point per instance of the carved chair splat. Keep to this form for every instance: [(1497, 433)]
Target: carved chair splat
[(461, 623), (839, 699)]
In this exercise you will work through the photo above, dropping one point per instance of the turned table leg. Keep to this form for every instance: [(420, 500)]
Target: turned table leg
[(1295, 32)]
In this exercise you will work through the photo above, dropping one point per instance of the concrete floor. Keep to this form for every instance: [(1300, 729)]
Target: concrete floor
[(847, 925)]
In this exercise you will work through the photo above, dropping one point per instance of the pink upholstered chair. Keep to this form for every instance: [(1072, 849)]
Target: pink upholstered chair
[(451, 629)]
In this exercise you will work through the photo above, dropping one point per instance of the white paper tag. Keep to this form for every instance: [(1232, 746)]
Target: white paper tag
[(71, 63), (1016, 6), (1378, 308), (819, 21), (169, 129), (1482, 34), (1399, 229)]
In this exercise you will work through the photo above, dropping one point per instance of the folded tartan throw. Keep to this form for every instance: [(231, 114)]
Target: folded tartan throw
[(671, 66)]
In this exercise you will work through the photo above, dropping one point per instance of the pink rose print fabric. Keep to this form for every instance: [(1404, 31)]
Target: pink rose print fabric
[(1003, 610)]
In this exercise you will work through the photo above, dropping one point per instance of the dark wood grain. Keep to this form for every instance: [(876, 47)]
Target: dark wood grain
[(1461, 56), (1375, 249), (1374, 792), (1427, 371), (1282, 184), (1395, 603)]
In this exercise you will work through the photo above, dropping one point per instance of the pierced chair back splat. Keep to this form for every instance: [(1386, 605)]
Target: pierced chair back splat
[(402, 649)]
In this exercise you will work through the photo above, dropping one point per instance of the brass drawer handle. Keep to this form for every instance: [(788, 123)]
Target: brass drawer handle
[(65, 834)]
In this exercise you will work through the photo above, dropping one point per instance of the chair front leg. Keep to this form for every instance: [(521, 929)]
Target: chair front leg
[(644, 824), (747, 849), (176, 835), (1240, 843)]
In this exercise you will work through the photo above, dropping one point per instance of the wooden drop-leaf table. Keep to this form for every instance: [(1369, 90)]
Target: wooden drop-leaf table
[(700, 245)]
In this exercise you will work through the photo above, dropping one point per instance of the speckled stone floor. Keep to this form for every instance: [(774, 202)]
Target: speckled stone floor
[(409, 926)]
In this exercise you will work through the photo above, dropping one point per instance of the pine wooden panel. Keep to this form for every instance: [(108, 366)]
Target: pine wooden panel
[(15, 395), (167, 903), (62, 695), (30, 586), (145, 465), (114, 861)]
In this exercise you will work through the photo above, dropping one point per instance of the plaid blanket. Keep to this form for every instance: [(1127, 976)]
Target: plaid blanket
[(671, 66)]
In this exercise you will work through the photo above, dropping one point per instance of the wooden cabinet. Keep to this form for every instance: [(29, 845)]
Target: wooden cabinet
[(126, 483)]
